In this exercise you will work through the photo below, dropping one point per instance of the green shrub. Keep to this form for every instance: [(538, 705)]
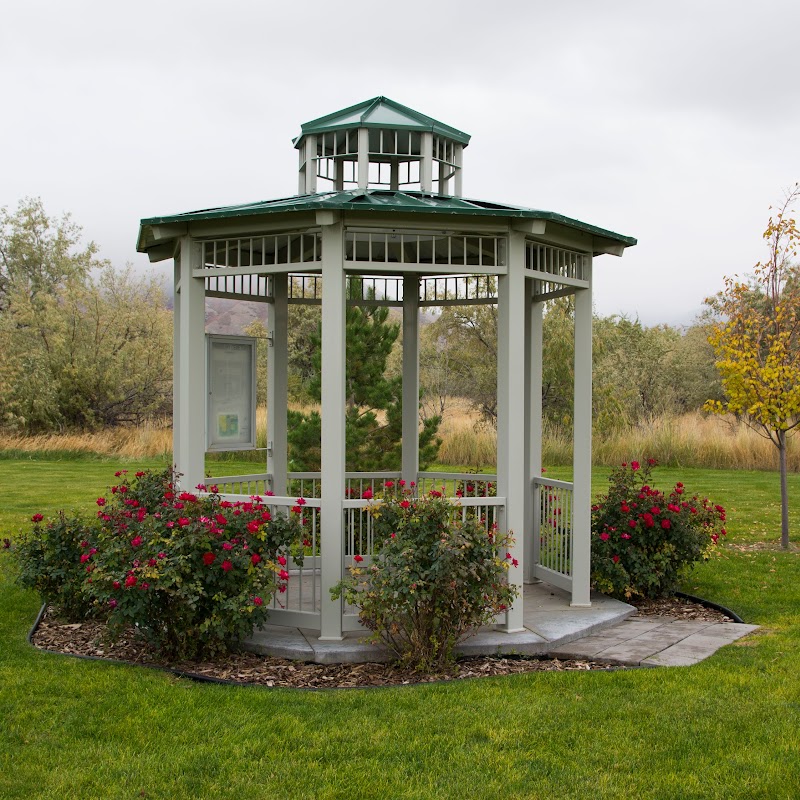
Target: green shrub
[(191, 572), (642, 540), (50, 561), (434, 582)]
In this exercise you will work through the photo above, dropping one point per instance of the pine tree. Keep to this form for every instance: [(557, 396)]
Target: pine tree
[(373, 401)]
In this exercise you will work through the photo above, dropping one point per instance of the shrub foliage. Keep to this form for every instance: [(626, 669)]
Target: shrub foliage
[(436, 579), (643, 540), (49, 560), (191, 572)]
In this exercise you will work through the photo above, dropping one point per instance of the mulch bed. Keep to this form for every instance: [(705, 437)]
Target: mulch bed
[(88, 638)]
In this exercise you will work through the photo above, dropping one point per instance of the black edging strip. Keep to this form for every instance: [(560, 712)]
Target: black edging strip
[(177, 672), (710, 604)]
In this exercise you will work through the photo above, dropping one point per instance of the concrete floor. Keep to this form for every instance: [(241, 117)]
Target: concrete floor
[(609, 631), (549, 622)]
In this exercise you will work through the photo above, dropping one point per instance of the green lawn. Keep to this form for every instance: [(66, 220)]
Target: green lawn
[(728, 727)]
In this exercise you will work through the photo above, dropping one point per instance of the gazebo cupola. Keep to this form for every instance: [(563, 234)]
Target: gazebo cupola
[(380, 220), (380, 144)]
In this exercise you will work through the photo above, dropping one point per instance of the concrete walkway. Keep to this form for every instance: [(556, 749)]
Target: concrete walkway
[(655, 642), (603, 632)]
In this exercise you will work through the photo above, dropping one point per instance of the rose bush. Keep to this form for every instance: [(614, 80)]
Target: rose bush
[(434, 580), (50, 560), (643, 541), (193, 573)]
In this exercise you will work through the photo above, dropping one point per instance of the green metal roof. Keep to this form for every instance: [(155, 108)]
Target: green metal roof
[(378, 200), (380, 112)]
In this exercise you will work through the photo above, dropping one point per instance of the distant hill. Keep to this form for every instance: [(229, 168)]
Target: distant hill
[(231, 317)]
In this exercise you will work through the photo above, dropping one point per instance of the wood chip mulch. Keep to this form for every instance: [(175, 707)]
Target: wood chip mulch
[(678, 607), (88, 638)]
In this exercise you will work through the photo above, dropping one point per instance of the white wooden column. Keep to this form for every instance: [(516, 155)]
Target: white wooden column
[(582, 448), (457, 181), (333, 427), (512, 408), (191, 395), (363, 158), (536, 339), (176, 357), (426, 166), (278, 383), (410, 465), (308, 181)]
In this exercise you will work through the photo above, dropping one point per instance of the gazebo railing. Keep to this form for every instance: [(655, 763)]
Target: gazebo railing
[(473, 497), (553, 531), (246, 485)]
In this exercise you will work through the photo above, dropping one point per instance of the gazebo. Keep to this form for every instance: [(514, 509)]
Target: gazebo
[(380, 200)]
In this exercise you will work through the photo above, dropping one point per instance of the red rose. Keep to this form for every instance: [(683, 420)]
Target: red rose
[(130, 581), (258, 601), (358, 559), (283, 575), (615, 559), (635, 465), (255, 558), (116, 584), (101, 501), (37, 518), (208, 559), (227, 566), (136, 541)]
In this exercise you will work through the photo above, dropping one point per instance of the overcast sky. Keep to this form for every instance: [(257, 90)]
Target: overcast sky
[(676, 122)]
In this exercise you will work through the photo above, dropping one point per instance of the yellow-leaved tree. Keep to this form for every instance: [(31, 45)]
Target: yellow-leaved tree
[(756, 340)]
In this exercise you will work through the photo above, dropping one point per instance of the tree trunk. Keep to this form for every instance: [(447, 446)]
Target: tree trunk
[(784, 491)]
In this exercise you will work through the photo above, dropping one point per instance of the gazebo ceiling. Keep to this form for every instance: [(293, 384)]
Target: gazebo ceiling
[(366, 201)]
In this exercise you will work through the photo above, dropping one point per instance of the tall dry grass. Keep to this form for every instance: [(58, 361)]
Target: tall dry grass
[(695, 440), (692, 440), (152, 440), (467, 441)]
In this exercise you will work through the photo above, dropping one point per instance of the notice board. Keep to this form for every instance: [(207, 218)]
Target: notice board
[(231, 382)]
